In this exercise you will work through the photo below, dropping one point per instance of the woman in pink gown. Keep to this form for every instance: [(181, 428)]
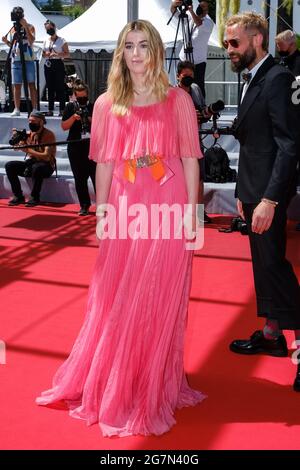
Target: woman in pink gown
[(125, 370)]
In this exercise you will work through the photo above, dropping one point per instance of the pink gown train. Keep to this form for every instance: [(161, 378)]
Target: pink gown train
[(125, 370)]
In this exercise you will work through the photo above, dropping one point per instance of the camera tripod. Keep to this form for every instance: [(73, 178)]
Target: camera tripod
[(18, 39), (183, 22)]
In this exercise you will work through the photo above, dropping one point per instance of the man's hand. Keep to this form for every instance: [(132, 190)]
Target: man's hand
[(76, 117), (20, 144), (262, 217), (175, 4)]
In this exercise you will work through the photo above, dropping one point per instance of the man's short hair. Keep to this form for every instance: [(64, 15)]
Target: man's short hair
[(79, 85), (185, 64), (251, 21), (287, 36)]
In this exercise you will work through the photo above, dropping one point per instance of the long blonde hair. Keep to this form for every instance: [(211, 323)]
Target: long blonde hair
[(120, 87)]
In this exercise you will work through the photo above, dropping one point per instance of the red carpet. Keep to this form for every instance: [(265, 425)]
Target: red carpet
[(47, 255)]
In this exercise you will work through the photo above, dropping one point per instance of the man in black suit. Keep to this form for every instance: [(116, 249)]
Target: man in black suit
[(267, 128)]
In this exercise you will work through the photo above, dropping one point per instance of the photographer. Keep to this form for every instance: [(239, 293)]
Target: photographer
[(25, 33), (185, 80), (201, 26), (55, 49), (39, 161), (77, 119)]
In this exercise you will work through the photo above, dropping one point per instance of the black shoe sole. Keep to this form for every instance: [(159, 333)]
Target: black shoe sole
[(16, 204), (32, 205), (246, 352)]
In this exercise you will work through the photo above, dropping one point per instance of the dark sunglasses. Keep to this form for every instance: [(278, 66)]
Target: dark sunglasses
[(235, 43)]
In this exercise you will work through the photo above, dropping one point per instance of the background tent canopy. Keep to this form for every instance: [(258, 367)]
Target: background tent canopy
[(99, 27)]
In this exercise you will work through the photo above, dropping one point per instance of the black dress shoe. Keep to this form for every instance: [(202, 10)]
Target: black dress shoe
[(296, 385), (32, 202), (84, 210), (258, 344), (16, 200)]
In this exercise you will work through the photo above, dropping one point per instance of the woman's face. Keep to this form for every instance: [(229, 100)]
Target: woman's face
[(136, 52), (50, 29)]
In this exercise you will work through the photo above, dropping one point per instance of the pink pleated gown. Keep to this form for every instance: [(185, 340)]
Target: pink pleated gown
[(125, 370)]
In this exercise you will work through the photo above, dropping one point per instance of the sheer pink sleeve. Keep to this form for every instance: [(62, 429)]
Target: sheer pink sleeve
[(187, 126), (105, 132)]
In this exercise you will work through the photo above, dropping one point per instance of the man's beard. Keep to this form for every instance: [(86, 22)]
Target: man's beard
[(244, 60)]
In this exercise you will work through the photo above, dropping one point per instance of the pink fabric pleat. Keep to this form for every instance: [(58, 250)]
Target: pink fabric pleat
[(168, 129)]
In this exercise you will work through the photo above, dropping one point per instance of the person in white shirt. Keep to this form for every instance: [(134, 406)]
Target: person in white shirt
[(55, 49), (201, 26)]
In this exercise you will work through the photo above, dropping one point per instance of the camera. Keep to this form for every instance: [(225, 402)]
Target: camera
[(237, 225), (83, 112), (211, 110), (18, 136), (215, 108), (17, 14), (69, 83), (187, 3)]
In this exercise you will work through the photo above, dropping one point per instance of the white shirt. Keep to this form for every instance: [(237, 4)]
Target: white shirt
[(54, 46), (200, 37), (253, 73)]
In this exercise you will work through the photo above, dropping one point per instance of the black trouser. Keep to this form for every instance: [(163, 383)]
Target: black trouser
[(276, 285), (39, 171), (83, 168), (200, 76), (55, 82)]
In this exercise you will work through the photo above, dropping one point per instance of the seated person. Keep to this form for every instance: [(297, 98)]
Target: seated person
[(39, 162)]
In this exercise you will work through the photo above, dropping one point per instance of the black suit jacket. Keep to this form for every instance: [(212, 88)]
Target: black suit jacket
[(292, 62), (267, 128)]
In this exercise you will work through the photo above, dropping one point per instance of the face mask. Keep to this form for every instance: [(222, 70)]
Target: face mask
[(283, 53), (51, 31), (82, 100), (34, 127), (187, 81)]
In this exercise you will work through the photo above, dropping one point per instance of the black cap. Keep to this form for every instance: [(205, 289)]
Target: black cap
[(38, 114)]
